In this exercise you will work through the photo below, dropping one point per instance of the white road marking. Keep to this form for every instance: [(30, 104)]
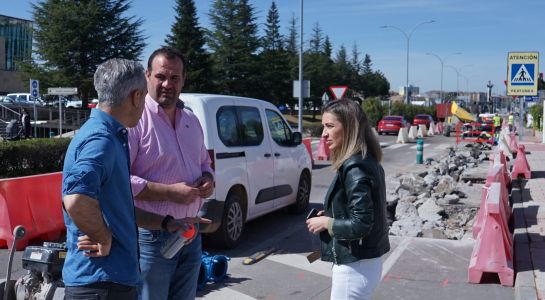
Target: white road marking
[(300, 261), (225, 293), (396, 254), (395, 146)]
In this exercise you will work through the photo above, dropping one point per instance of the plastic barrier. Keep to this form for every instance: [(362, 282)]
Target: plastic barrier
[(413, 134), (493, 251), (323, 150), (496, 174), (431, 131), (213, 269), (402, 136), (422, 131), (521, 166), (35, 203), (513, 144), (308, 144), (503, 145), (439, 128)]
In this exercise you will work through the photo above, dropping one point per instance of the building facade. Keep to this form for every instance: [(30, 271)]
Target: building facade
[(15, 46)]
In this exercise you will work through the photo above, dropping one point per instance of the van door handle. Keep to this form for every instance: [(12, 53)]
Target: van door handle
[(276, 154), (267, 155)]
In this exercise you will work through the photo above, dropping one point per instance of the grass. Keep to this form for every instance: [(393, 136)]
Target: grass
[(307, 120)]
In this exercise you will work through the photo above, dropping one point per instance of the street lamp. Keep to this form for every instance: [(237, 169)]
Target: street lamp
[(300, 112), (408, 37), (442, 61), (457, 70)]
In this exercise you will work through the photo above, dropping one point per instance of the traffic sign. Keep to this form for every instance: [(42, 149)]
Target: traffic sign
[(338, 91), (325, 97), (34, 88), (62, 91), (306, 88), (522, 72)]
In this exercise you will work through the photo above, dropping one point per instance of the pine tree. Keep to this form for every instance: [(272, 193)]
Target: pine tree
[(291, 41), (73, 37), (367, 65), (316, 39), (188, 38), (328, 48), (275, 80), (233, 41), (355, 59)]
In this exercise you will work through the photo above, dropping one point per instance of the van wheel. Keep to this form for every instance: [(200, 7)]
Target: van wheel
[(303, 195), (232, 223)]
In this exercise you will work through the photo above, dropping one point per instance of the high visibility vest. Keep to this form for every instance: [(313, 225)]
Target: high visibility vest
[(511, 120), (497, 121)]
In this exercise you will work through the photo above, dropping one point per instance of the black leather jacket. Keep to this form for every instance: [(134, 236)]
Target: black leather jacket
[(356, 200)]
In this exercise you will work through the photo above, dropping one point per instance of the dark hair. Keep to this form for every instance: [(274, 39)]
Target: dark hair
[(169, 53), (358, 136)]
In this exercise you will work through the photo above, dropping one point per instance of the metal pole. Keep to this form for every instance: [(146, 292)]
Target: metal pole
[(407, 77), (300, 112), (35, 119), (521, 108), (60, 116)]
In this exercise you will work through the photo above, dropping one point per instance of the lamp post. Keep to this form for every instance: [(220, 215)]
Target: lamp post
[(489, 86), (408, 37), (442, 61), (300, 112), (457, 70)]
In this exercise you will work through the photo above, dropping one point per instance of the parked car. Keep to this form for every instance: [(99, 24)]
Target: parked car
[(391, 124), (72, 101), (6, 99), (423, 119), (93, 103), (25, 99), (260, 163)]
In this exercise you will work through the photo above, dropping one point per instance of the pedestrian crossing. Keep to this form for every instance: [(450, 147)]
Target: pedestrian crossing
[(413, 146)]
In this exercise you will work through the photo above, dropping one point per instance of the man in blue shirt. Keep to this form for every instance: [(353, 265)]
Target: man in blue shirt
[(102, 258)]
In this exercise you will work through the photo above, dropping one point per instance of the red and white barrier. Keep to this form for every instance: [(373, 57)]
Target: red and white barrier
[(493, 251), (521, 167), (323, 150)]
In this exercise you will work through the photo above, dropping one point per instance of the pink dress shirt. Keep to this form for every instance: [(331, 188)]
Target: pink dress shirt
[(160, 153)]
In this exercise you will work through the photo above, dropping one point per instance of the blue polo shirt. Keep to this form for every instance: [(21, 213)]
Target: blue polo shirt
[(97, 165)]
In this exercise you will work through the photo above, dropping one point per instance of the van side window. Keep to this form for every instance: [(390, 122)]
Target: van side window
[(226, 118), (250, 125), (280, 131)]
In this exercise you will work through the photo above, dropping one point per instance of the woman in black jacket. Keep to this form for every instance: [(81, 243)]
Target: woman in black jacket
[(352, 227)]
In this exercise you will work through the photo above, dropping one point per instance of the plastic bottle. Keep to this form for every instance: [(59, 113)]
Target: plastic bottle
[(176, 241)]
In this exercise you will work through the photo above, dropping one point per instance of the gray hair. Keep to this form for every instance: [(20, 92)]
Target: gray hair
[(116, 78)]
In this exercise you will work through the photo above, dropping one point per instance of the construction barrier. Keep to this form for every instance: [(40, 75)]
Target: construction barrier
[(422, 132), (323, 150), (431, 131), (413, 134), (521, 167), (493, 251), (308, 144), (513, 144), (33, 202), (402, 136), (496, 174), (439, 128)]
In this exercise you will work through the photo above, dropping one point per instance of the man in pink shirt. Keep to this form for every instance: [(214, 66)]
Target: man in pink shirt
[(170, 175)]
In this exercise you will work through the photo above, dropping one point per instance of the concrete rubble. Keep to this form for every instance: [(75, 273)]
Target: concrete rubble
[(441, 201)]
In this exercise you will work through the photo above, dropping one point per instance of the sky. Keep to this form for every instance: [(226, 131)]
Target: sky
[(482, 32)]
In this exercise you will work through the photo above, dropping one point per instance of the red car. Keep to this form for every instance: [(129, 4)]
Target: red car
[(422, 119), (391, 124), (93, 103)]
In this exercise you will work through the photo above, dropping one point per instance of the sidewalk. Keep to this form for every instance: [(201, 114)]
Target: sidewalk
[(529, 223)]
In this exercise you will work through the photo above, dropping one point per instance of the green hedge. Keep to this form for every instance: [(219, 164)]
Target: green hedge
[(31, 157)]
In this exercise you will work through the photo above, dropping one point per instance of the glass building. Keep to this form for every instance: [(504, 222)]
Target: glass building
[(15, 42)]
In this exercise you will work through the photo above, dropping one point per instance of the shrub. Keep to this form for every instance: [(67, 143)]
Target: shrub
[(31, 157)]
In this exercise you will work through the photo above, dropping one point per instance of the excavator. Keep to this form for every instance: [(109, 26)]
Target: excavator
[(459, 116)]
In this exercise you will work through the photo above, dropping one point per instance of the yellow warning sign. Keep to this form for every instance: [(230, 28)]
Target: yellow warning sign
[(522, 72)]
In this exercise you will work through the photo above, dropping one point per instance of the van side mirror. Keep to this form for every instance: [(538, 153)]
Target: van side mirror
[(296, 138)]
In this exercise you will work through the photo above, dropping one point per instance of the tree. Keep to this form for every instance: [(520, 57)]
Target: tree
[(233, 41), (367, 65), (328, 48), (275, 62), (73, 37), (291, 41), (188, 38), (355, 60), (316, 39)]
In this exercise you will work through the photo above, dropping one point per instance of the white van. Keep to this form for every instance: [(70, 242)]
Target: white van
[(24, 99), (260, 163)]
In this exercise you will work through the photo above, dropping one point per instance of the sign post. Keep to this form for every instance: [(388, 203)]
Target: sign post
[(35, 93), (61, 91), (522, 75)]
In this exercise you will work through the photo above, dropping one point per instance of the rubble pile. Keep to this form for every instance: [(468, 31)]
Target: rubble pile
[(430, 203)]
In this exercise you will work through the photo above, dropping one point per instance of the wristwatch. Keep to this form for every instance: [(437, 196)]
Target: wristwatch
[(165, 222)]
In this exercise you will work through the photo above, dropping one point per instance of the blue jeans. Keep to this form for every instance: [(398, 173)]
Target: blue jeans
[(162, 278)]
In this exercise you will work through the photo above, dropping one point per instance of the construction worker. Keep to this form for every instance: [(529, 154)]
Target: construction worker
[(511, 121), (497, 124)]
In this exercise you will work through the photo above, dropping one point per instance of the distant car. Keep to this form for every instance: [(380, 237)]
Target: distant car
[(6, 99), (25, 100), (93, 103), (422, 119), (391, 124), (73, 102)]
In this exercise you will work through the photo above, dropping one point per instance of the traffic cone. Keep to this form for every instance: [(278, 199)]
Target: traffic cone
[(521, 166)]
